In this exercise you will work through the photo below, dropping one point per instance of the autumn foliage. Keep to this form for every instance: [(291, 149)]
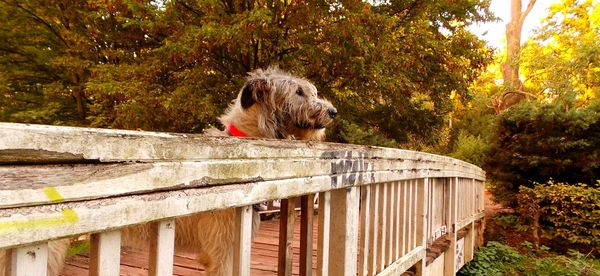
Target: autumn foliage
[(175, 65)]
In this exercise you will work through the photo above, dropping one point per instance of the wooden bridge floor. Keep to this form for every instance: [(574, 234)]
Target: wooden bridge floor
[(264, 256)]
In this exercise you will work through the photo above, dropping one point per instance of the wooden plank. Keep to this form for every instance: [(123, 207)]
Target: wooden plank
[(286, 236), (343, 239), (135, 261), (422, 221), (468, 220), (324, 234), (383, 242), (37, 185), (242, 241), (31, 143), (393, 222), (389, 224), (67, 219), (421, 267), (306, 233), (415, 218), (470, 243), (422, 215), (399, 203), (470, 238), (432, 225), (404, 217), (450, 254), (366, 222), (374, 230), (404, 263), (29, 260), (411, 219), (105, 253), (6, 261), (162, 247)]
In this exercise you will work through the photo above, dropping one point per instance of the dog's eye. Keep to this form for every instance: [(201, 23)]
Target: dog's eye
[(300, 92)]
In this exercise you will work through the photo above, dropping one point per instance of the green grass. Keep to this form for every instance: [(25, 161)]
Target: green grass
[(78, 247)]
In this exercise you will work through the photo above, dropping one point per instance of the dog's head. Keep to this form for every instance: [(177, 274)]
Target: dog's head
[(286, 106)]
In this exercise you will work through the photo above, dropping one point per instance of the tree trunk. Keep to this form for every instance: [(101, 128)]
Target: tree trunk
[(510, 67), (536, 229), (77, 94)]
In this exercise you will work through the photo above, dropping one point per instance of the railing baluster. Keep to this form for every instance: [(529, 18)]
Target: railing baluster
[(432, 226), (307, 203), (324, 233), (29, 260), (450, 254), (286, 236), (411, 218), (422, 201), (390, 224), (380, 211), (399, 204), (416, 220), (404, 217), (105, 253), (365, 227), (470, 238), (343, 240), (242, 241), (162, 247), (373, 230), (384, 222), (393, 219)]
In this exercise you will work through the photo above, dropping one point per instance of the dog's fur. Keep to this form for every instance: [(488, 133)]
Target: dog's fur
[(272, 104)]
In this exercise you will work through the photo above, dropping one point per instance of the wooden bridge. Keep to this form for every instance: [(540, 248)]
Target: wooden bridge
[(381, 211)]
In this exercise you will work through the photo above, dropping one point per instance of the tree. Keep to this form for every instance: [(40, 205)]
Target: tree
[(48, 48), (390, 68), (557, 135), (514, 91), (562, 61)]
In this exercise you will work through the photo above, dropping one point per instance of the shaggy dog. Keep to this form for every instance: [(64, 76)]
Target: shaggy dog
[(271, 104)]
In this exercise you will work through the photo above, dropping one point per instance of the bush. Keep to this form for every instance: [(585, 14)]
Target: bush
[(470, 148), (537, 142), (493, 259), (499, 259), (348, 132), (566, 212)]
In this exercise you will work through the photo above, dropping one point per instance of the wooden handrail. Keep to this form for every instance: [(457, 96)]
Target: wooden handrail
[(59, 182)]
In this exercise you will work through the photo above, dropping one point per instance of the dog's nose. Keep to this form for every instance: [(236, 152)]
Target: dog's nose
[(332, 112)]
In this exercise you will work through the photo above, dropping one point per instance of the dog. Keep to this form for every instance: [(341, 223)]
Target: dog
[(271, 104)]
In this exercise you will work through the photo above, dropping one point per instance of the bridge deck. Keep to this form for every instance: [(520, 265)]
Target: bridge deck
[(264, 256)]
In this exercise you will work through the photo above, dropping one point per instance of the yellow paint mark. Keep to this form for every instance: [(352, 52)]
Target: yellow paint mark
[(52, 194), (68, 217)]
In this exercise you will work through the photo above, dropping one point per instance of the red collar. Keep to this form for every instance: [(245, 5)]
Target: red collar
[(234, 131)]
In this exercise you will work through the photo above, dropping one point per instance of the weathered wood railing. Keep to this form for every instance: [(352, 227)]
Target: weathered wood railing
[(381, 211)]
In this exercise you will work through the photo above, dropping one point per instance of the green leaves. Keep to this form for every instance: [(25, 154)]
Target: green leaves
[(538, 142), (570, 212)]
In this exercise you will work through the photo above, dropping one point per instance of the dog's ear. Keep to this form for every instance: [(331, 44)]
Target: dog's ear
[(254, 91)]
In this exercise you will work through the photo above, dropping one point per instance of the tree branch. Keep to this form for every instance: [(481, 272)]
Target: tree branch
[(42, 21), (527, 10), (518, 92)]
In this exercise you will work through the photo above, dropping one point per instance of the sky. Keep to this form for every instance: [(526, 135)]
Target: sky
[(495, 35)]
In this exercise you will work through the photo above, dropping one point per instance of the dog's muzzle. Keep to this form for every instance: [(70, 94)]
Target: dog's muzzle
[(332, 112)]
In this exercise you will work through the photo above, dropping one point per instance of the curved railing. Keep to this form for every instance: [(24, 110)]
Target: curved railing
[(381, 210)]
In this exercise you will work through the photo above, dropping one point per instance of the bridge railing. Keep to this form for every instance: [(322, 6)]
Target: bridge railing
[(381, 211)]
